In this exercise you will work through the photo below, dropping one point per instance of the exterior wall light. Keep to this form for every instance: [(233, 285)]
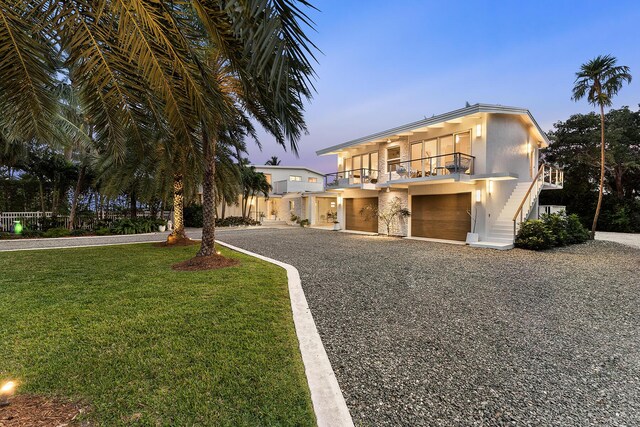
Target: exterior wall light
[(490, 189), (478, 131), (528, 147), (339, 200), (478, 196)]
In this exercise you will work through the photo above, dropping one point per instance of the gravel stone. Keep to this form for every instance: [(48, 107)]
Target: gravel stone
[(431, 334)]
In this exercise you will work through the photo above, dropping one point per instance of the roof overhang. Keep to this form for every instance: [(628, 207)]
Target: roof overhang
[(438, 121), (270, 167)]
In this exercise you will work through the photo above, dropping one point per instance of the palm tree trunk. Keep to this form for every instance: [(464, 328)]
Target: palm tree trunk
[(178, 209), (207, 247), (76, 195), (601, 190), (134, 206), (41, 190)]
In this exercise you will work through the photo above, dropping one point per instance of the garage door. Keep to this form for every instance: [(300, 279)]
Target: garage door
[(442, 216), (354, 219)]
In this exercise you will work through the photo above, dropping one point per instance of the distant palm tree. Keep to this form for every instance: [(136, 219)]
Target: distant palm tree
[(273, 161), (600, 79)]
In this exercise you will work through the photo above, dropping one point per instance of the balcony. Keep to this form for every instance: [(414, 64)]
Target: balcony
[(434, 167), (362, 178), (285, 186)]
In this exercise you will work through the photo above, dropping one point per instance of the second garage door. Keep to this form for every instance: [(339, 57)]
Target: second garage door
[(354, 220), (442, 216)]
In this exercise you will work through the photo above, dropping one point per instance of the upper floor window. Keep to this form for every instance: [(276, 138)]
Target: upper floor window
[(268, 176), (393, 158), (295, 178), (313, 179)]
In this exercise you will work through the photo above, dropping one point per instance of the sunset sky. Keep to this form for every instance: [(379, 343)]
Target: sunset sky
[(386, 63)]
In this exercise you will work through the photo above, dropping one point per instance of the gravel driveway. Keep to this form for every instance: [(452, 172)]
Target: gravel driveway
[(423, 333)]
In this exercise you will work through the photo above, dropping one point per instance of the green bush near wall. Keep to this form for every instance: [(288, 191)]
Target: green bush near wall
[(551, 230)]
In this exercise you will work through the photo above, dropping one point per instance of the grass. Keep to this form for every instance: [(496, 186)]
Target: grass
[(145, 345)]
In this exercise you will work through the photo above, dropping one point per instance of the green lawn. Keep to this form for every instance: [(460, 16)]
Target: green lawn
[(145, 345)]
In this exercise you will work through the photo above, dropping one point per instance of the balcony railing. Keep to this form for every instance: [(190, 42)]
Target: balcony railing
[(351, 177), (444, 164)]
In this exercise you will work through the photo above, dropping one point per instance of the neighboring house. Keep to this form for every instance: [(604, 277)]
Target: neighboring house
[(478, 162), (291, 187)]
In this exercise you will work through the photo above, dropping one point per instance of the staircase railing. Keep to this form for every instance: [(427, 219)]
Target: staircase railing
[(546, 175)]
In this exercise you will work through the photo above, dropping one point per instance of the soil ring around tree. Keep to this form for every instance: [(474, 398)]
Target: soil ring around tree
[(41, 411), (177, 242), (202, 263)]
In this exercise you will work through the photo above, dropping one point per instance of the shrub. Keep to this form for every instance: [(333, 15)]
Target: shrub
[(234, 221), (534, 234), (576, 232), (193, 216), (56, 232), (136, 226), (31, 233), (557, 224), (79, 232), (103, 231), (303, 222)]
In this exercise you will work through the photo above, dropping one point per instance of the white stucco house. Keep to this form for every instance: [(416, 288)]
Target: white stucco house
[(476, 164), (292, 189)]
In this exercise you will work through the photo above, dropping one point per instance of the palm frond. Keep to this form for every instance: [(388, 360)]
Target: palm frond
[(27, 67)]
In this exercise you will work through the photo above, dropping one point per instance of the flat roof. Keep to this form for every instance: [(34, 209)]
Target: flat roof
[(452, 115), (287, 167)]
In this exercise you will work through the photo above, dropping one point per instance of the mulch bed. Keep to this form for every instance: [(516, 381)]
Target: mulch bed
[(178, 242), (201, 263), (39, 411)]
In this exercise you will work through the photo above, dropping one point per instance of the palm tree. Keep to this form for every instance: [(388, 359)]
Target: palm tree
[(600, 79), (273, 161), (137, 65)]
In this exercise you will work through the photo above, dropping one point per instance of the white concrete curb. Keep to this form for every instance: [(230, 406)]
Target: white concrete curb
[(328, 403)]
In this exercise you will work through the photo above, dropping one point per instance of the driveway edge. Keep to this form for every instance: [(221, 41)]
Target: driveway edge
[(328, 402)]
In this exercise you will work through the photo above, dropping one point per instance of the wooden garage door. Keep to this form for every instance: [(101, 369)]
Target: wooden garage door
[(354, 220), (442, 216)]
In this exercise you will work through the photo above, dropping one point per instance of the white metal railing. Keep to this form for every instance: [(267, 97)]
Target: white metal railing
[(547, 175)]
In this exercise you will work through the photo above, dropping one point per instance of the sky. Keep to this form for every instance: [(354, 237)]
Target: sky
[(387, 63)]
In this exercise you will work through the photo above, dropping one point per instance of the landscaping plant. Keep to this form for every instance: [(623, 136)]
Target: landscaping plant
[(558, 229), (535, 235)]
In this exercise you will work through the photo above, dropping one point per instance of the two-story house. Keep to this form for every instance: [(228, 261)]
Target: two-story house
[(470, 170), (290, 190)]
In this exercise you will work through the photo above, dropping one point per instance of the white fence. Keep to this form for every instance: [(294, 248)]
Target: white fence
[(7, 219)]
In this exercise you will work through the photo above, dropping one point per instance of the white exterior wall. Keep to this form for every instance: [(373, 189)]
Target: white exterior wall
[(507, 150)]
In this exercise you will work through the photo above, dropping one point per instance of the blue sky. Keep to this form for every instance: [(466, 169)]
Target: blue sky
[(386, 63)]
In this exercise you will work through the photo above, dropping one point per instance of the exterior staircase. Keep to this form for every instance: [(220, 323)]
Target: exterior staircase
[(502, 229), (518, 207)]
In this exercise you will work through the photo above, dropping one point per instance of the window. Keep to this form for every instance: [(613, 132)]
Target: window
[(313, 179), (292, 205), (268, 176), (295, 178), (393, 158), (463, 143)]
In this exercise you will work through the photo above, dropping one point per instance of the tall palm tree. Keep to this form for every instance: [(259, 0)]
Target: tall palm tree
[(273, 161), (600, 79)]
